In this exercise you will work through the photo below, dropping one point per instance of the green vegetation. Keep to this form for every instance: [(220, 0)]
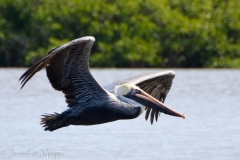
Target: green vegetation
[(140, 33)]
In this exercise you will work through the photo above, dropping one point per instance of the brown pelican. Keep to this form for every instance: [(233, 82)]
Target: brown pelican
[(89, 103)]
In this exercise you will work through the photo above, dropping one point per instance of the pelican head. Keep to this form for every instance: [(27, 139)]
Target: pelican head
[(123, 90), (134, 95)]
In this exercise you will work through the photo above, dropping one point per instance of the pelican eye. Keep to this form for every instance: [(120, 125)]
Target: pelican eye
[(135, 91), (138, 91)]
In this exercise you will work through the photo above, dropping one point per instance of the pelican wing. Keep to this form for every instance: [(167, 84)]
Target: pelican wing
[(68, 71), (156, 84)]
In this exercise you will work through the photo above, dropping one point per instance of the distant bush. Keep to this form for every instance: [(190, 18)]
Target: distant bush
[(152, 33)]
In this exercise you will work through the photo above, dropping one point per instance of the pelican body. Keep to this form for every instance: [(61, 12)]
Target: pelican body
[(89, 103)]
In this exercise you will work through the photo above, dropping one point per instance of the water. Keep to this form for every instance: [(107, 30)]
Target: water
[(209, 98)]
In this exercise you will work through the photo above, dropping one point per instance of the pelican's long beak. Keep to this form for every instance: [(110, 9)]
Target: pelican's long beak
[(149, 101)]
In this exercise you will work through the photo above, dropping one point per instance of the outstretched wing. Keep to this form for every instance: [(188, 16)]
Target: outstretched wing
[(156, 84), (68, 71)]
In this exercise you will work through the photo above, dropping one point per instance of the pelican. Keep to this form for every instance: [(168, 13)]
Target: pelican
[(89, 103)]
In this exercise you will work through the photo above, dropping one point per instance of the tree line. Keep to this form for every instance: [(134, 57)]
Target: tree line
[(140, 33)]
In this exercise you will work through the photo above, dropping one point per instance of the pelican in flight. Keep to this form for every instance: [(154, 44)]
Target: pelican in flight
[(89, 103)]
